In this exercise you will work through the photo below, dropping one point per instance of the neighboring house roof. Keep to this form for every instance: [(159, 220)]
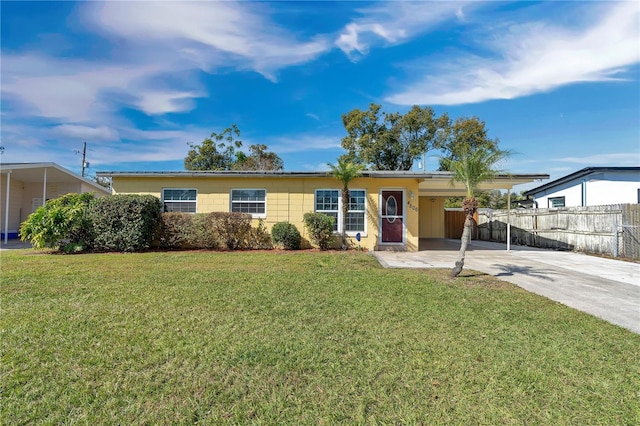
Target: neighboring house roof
[(587, 171), (431, 183), (34, 173)]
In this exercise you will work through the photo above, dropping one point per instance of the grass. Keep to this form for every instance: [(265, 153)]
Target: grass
[(296, 338)]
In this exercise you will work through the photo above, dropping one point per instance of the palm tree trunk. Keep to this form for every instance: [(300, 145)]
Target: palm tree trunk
[(464, 243), (470, 205), (345, 211)]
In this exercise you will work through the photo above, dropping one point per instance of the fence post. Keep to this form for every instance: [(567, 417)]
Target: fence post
[(615, 241)]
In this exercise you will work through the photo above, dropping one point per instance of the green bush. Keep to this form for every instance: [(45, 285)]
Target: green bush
[(320, 228), (233, 229), (286, 235), (176, 231), (61, 223), (125, 222), (260, 239), (211, 231)]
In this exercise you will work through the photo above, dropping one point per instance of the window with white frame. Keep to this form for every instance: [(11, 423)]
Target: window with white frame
[(329, 201), (356, 214), (251, 201), (179, 200), (556, 202)]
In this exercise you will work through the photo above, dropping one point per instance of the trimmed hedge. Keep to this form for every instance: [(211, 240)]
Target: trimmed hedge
[(286, 235), (218, 230), (124, 222), (129, 222), (320, 227)]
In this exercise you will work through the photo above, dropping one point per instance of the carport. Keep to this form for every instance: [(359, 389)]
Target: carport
[(28, 186), (436, 187)]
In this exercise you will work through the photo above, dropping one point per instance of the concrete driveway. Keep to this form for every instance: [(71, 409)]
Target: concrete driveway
[(606, 288)]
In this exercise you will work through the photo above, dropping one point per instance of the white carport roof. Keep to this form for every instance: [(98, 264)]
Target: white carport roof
[(439, 184), (35, 173), (40, 173)]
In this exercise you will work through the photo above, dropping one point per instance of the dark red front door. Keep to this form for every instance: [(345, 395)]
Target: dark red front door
[(391, 213)]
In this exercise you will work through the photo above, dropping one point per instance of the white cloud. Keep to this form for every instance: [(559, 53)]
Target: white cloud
[(314, 116), (206, 34), (66, 89), (87, 133), (161, 102), (164, 39), (102, 145), (394, 22), (301, 143), (534, 58), (608, 159)]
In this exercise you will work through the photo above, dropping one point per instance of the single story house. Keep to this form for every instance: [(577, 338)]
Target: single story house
[(591, 186), (26, 186), (387, 209)]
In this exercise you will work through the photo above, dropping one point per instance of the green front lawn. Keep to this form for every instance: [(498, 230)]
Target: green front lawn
[(296, 338)]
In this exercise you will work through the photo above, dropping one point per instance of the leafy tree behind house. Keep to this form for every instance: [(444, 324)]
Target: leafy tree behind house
[(104, 182), (221, 151), (259, 158), (464, 136), (216, 152), (471, 168), (492, 199), (391, 141)]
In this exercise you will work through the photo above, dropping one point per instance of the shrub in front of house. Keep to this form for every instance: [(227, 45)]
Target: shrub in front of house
[(320, 228), (124, 222), (212, 231), (175, 231), (286, 235), (233, 229), (62, 223), (259, 238)]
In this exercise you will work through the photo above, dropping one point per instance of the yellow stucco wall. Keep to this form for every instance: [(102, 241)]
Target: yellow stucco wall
[(288, 198), (432, 217)]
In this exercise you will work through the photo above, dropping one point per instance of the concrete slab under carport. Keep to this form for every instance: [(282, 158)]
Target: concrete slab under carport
[(606, 288)]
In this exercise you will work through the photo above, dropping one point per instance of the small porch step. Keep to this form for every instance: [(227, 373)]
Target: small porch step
[(391, 247)]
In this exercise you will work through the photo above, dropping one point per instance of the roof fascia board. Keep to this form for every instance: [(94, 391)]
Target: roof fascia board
[(370, 174)]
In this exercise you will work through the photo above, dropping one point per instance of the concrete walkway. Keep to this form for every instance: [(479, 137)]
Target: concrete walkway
[(606, 288), (14, 245)]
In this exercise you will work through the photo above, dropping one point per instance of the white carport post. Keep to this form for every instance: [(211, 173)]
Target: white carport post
[(44, 188), (6, 210), (509, 219)]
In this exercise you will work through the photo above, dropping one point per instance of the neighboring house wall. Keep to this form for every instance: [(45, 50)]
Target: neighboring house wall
[(25, 194), (593, 190), (609, 192), (287, 198), (25, 198), (15, 205), (32, 197)]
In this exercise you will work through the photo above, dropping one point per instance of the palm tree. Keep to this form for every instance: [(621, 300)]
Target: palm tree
[(471, 170), (345, 171)]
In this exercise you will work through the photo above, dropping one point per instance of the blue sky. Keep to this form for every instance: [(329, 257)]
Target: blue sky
[(556, 82)]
